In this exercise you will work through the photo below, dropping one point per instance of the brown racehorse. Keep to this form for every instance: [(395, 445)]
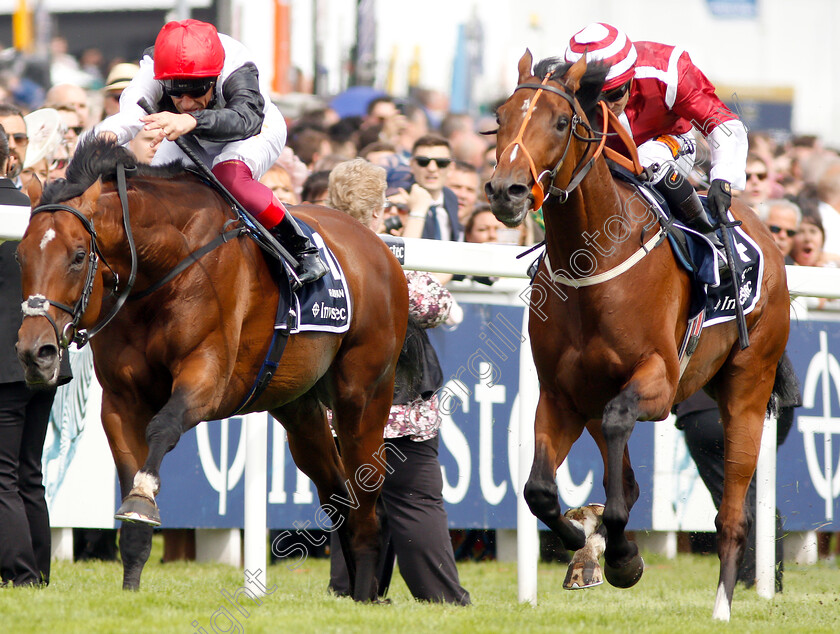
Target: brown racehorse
[(190, 351), (607, 353)]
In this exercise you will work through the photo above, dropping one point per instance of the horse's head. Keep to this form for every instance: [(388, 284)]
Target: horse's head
[(62, 287), (538, 141)]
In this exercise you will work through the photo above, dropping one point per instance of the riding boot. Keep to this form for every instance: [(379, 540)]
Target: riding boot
[(310, 266), (685, 204)]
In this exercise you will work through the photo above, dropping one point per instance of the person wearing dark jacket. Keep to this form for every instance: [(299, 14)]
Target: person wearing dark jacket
[(24, 416), (206, 84)]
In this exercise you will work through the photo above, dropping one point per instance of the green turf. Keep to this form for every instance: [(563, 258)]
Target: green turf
[(673, 596)]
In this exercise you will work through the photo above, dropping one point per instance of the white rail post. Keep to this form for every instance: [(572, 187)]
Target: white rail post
[(256, 499), (527, 536), (765, 512)]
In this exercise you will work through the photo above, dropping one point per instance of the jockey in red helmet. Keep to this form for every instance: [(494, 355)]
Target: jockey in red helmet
[(659, 95), (207, 84)]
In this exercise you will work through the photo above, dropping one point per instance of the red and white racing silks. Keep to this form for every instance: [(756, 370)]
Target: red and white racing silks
[(670, 95)]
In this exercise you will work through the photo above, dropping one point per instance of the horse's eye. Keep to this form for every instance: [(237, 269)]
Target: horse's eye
[(562, 123), (79, 258)]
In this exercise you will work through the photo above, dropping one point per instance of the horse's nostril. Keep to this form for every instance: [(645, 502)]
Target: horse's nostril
[(517, 191), (47, 352)]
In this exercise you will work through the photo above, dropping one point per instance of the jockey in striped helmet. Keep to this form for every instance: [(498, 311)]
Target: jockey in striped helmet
[(659, 95), (207, 84)]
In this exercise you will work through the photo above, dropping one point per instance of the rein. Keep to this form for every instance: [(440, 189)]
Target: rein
[(579, 173)]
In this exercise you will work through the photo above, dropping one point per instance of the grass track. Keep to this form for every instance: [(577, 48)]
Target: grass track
[(673, 596)]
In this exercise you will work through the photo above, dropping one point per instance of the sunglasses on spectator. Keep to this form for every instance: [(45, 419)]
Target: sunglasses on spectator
[(76, 129), (759, 175), (20, 138), (777, 229), (615, 94), (423, 161), (59, 164)]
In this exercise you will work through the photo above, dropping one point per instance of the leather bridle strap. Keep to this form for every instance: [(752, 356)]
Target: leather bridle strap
[(37, 305), (536, 190), (581, 169)]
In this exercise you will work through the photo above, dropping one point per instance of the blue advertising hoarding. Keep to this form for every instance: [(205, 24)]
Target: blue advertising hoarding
[(202, 478)]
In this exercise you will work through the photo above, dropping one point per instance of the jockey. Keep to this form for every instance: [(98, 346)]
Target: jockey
[(207, 84), (659, 94)]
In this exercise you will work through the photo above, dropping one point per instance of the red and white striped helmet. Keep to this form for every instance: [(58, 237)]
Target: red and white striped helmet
[(605, 43)]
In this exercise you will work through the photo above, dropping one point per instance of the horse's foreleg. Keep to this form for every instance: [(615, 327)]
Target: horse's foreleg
[(555, 430), (135, 548), (128, 446), (585, 570), (642, 397), (162, 434)]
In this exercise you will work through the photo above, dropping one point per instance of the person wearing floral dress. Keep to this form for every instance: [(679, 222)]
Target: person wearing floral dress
[(415, 527)]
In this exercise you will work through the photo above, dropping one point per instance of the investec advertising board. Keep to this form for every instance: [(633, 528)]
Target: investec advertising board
[(203, 477)]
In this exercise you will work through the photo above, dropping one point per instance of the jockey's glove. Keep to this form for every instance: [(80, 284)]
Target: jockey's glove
[(719, 198)]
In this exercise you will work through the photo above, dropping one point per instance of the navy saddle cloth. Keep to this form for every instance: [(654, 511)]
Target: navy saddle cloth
[(699, 258)]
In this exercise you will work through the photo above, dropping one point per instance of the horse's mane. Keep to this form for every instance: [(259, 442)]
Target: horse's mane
[(97, 158), (590, 84)]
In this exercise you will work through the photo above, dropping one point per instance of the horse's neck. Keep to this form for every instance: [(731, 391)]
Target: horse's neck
[(588, 220), (161, 239)]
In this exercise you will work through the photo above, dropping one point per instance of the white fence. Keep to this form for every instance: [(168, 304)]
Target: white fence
[(501, 261)]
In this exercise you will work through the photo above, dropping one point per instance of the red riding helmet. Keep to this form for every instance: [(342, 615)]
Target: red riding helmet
[(188, 49)]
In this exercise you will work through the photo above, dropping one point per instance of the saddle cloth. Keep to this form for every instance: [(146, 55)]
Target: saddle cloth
[(320, 306), (719, 298)]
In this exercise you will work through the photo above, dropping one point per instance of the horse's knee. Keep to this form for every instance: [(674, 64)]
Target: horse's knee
[(163, 433), (541, 497), (620, 415)]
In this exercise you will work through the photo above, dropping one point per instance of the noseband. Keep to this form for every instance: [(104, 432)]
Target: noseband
[(581, 169), (38, 305)]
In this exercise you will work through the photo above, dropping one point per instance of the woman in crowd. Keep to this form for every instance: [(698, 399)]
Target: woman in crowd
[(414, 519)]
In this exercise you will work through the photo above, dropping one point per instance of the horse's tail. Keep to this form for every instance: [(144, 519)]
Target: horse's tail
[(786, 396), (410, 363)]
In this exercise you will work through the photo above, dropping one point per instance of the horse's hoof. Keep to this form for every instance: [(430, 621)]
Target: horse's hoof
[(627, 575), (139, 510), (583, 574)]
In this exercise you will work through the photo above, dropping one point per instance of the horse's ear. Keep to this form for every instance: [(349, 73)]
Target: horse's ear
[(92, 193), (575, 73), (525, 66), (34, 190), (591, 86)]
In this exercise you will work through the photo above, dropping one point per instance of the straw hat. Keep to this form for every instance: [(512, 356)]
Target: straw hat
[(46, 131), (120, 76)]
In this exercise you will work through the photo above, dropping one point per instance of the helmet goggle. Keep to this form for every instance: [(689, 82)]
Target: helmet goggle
[(616, 94), (194, 87)]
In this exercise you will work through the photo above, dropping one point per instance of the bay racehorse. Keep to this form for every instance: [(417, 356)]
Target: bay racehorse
[(191, 350), (606, 345)]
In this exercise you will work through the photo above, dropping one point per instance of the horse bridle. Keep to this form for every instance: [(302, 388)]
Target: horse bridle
[(581, 169), (38, 305)]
